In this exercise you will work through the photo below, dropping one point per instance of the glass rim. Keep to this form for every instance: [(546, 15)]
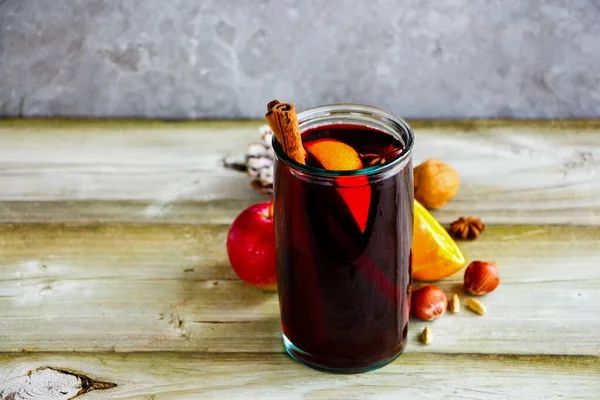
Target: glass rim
[(384, 116)]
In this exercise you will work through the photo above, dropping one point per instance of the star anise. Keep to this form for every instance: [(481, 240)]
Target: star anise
[(467, 228), (386, 154)]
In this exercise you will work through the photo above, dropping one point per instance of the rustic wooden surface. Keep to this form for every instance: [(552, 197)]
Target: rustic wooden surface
[(114, 281)]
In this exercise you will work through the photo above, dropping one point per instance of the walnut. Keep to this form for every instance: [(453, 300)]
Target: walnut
[(435, 183)]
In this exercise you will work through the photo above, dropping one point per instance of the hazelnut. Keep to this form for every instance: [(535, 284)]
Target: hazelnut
[(481, 277), (428, 303), (435, 183)]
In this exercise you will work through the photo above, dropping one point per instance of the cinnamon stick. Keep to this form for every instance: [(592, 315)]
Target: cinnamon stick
[(283, 121)]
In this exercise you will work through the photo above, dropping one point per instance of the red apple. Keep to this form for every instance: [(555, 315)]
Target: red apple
[(251, 247)]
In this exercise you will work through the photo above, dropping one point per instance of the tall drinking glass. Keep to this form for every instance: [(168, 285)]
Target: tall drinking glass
[(344, 241)]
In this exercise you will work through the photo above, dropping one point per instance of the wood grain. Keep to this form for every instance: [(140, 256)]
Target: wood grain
[(125, 171), (49, 384), (112, 241), (122, 288), (275, 376)]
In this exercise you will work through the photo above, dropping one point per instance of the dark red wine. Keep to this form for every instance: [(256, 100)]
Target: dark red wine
[(344, 255), (365, 141)]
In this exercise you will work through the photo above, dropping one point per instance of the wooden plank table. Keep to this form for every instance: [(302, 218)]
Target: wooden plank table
[(115, 283)]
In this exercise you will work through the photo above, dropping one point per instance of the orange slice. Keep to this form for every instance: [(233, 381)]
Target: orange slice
[(355, 190), (333, 154), (435, 254)]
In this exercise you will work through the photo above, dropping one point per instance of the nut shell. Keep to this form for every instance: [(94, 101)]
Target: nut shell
[(428, 303), (481, 277), (476, 306), (426, 335), (435, 183)]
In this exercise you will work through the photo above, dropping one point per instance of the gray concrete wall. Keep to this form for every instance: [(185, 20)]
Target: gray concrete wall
[(228, 58)]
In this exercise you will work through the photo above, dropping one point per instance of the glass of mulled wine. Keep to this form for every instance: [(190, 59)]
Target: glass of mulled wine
[(344, 238)]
